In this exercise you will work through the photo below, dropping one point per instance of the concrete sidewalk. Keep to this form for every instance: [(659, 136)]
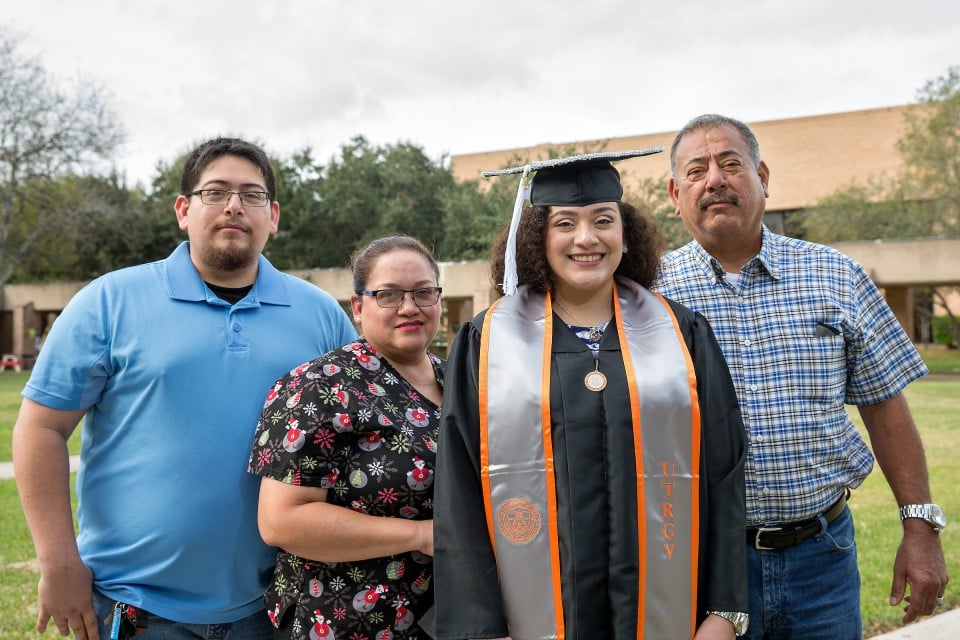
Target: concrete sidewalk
[(943, 626)]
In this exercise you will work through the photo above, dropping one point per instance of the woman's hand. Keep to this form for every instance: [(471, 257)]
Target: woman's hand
[(715, 628)]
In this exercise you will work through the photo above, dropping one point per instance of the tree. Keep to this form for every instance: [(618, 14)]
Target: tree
[(107, 231), (473, 213), (931, 149), (365, 193), (46, 134), (298, 191), (652, 197), (925, 201), (877, 210)]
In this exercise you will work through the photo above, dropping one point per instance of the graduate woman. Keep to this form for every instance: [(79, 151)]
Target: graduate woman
[(590, 467)]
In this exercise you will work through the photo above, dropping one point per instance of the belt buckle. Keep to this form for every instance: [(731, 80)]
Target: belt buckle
[(762, 530)]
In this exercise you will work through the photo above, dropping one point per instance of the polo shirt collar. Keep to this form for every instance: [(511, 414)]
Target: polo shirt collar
[(184, 281)]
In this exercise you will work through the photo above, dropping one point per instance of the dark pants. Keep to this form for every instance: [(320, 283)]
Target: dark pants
[(810, 591), (254, 627)]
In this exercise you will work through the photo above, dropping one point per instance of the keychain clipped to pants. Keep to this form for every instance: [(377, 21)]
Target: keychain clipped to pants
[(127, 621)]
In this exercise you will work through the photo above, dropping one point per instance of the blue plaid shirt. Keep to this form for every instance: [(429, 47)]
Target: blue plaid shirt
[(804, 330)]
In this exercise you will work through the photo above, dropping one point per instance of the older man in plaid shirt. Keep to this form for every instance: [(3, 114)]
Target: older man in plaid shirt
[(804, 331)]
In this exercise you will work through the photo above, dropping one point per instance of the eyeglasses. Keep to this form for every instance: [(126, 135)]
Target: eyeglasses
[(221, 197), (393, 298)]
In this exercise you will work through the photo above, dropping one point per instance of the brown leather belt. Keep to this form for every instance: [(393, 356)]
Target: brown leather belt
[(787, 535)]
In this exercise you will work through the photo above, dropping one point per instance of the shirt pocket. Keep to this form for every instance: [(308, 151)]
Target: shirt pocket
[(817, 367)]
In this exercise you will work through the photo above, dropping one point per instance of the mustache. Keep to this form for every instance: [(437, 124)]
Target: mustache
[(716, 198)]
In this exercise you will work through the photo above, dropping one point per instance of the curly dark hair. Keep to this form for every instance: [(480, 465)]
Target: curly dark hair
[(641, 237)]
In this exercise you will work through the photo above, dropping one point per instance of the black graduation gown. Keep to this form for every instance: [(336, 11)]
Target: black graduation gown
[(596, 491)]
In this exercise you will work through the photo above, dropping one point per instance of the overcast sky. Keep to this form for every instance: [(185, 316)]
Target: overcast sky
[(456, 76)]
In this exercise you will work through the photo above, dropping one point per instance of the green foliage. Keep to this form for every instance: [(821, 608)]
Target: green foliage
[(870, 212), (99, 225), (925, 201), (365, 193), (473, 217), (931, 146), (46, 134), (945, 331), (652, 197)]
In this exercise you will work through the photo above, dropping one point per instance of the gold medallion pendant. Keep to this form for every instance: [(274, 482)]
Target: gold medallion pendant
[(595, 380)]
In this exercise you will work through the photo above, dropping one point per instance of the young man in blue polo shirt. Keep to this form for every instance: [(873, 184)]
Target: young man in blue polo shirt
[(169, 363)]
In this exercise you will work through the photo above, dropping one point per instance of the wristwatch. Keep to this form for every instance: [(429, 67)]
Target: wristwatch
[(932, 513), (738, 619)]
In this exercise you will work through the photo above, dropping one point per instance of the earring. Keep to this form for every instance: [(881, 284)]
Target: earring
[(624, 248)]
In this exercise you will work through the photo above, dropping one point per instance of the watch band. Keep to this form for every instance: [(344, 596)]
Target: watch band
[(930, 513), (739, 620)]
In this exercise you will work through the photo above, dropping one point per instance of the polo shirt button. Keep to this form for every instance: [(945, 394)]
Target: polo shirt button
[(236, 327)]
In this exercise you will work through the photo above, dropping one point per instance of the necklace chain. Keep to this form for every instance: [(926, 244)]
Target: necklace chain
[(573, 317), (594, 380), (595, 332)]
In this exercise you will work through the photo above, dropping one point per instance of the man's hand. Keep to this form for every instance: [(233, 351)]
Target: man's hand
[(919, 564), (65, 594)]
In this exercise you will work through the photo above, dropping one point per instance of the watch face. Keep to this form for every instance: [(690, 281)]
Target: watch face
[(937, 516)]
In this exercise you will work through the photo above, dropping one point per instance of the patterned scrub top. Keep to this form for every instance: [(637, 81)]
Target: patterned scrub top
[(348, 422)]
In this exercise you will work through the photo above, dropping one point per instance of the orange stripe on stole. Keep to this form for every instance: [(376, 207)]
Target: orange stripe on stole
[(484, 423), (517, 461), (548, 458)]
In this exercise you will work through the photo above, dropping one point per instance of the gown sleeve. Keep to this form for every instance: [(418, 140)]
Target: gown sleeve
[(723, 562), (467, 590)]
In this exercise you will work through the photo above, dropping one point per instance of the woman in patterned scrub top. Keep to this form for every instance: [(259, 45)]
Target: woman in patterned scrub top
[(345, 447)]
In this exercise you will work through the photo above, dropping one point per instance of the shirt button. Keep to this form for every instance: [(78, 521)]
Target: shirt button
[(739, 298), (759, 438), (753, 387), (746, 342), (236, 327), (766, 491), (713, 279)]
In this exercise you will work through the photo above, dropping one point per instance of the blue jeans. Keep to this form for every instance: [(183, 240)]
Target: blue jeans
[(810, 591), (254, 627)]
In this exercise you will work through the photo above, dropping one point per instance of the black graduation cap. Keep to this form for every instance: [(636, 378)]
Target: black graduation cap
[(577, 181)]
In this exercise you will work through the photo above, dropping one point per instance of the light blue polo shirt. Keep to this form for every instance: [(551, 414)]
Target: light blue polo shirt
[(175, 379)]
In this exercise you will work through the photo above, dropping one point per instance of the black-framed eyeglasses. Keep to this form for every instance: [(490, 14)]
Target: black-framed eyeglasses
[(222, 196), (393, 298)]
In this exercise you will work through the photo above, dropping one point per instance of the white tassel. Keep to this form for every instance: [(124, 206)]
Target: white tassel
[(510, 279)]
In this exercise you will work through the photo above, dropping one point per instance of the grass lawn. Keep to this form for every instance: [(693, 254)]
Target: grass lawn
[(935, 405), (942, 360)]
